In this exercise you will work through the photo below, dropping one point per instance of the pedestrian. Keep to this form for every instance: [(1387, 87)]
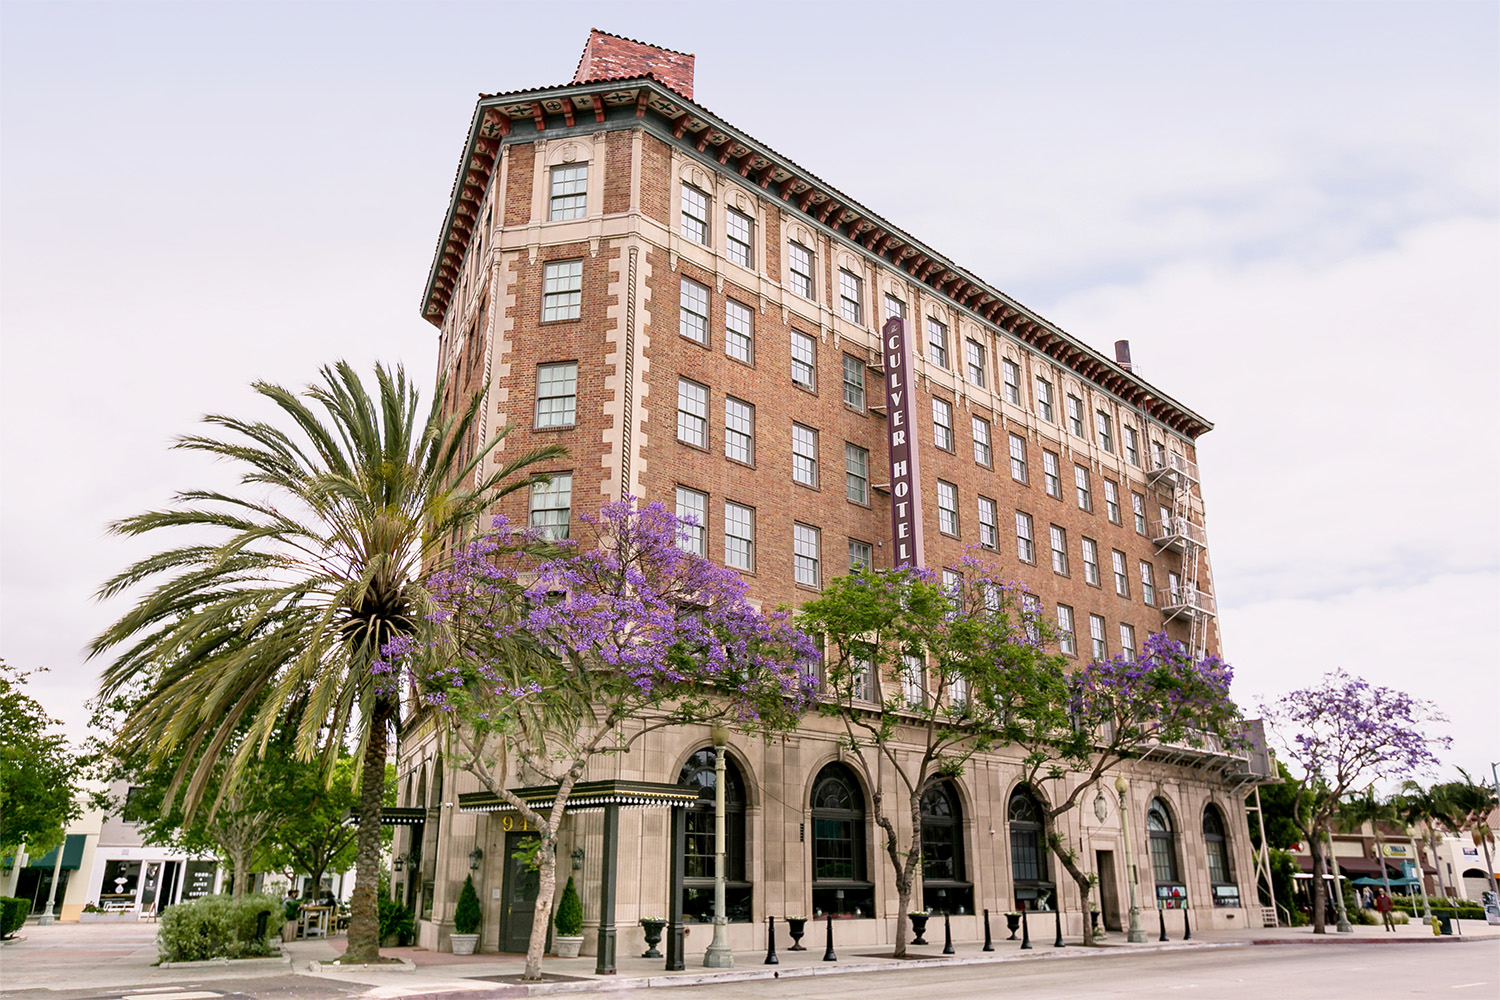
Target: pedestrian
[(1365, 899), (1383, 904)]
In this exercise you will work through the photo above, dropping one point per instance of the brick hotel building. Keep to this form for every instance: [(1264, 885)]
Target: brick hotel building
[(697, 318)]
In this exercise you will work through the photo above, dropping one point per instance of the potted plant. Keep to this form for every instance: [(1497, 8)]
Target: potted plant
[(652, 926), (1012, 923), (396, 926), (798, 927), (918, 926), (466, 920), (569, 923)]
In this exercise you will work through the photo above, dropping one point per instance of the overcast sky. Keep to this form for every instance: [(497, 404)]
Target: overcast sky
[(1290, 210)]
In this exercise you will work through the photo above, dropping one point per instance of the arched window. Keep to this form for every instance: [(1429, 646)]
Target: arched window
[(840, 885), (698, 868), (1218, 846), (1163, 850), (1028, 855), (944, 887)]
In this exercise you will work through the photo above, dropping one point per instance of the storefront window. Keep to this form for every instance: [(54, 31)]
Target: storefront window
[(840, 885), (698, 870), (1028, 855), (944, 888)]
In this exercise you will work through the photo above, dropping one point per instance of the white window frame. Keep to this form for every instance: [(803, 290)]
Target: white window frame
[(1090, 549), (1018, 470), (1104, 431), (549, 507), (1112, 501), (1099, 648), (860, 554), (942, 423), (1052, 473), (1075, 416), (562, 290), (740, 250), (974, 361), (989, 527), (851, 297), (1010, 374), (801, 278), (1045, 401), (567, 193), (1121, 570), (856, 474), (739, 547), (854, 388), (692, 413), (806, 362), (807, 555), (1067, 639), (937, 342), (1025, 537), (697, 206), (694, 301), (804, 455), (947, 503), (551, 379), (739, 331), (739, 430), (1082, 488), (1057, 537), (984, 452), (692, 503), (1148, 582)]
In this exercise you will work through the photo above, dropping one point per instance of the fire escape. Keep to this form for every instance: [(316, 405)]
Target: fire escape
[(1181, 532)]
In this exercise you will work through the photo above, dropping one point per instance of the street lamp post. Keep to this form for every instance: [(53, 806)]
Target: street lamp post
[(47, 916), (1343, 926), (1135, 935), (718, 955)]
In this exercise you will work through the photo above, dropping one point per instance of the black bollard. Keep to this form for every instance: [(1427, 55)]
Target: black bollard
[(829, 956), (1025, 933), (988, 944), (1059, 942), (771, 958), (1187, 928), (1161, 919), (947, 935)]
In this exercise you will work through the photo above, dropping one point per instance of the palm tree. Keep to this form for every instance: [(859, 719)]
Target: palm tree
[(1357, 810), (274, 608), (1474, 802), (1432, 810)]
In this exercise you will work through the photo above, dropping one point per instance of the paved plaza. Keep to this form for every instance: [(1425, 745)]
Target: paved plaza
[(94, 962)]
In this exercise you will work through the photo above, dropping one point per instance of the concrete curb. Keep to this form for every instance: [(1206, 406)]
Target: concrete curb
[(273, 962), (758, 973), (319, 967), (1435, 939)]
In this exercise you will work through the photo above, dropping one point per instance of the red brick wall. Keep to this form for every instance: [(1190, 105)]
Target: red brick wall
[(617, 172), (656, 180), (518, 184), (608, 57)]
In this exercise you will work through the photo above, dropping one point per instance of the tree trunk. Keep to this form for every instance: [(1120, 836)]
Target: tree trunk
[(1432, 846), (239, 861), (1320, 926), (1489, 866), (364, 915), (1385, 873), (1057, 846), (546, 862), (903, 911)]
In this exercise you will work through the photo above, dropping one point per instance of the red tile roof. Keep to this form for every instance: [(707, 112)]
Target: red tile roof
[(608, 57)]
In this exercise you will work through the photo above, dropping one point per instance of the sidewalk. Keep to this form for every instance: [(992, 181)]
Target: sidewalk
[(105, 956), (435, 975)]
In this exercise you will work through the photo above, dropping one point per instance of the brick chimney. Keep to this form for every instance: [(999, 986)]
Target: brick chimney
[(609, 56), (1122, 355)]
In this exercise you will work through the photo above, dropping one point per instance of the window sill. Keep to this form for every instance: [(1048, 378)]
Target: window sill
[(741, 463), (695, 447), (553, 428), (695, 341), (810, 390), (560, 322)]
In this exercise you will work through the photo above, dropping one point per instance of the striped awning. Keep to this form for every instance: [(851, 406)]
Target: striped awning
[(586, 796)]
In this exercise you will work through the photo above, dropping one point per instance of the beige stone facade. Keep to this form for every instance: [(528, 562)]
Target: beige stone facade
[(1109, 483)]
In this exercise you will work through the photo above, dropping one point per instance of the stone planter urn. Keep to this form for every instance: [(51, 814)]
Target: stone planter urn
[(797, 926), (1012, 924), (918, 927), (463, 944), (566, 947), (653, 927)]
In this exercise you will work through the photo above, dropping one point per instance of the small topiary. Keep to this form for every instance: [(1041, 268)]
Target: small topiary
[(13, 913), (466, 914), (569, 919)]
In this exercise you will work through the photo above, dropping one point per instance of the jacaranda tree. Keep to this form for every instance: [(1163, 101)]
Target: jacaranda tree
[(544, 657), (1342, 735), (913, 672), (272, 607), (1086, 722)]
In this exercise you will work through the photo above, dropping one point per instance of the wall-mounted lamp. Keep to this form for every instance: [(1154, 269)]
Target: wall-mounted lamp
[(475, 856), (578, 859), (400, 862)]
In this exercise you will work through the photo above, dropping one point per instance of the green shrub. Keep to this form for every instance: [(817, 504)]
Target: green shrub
[(569, 919), (466, 914), (219, 927), (395, 920), (12, 914)]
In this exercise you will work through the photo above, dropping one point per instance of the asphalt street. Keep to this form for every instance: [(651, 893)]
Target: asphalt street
[(1281, 972)]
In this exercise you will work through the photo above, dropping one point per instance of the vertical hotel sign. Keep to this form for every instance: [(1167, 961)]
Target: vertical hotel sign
[(906, 480)]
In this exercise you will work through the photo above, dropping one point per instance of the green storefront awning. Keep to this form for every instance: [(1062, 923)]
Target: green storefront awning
[(72, 854)]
